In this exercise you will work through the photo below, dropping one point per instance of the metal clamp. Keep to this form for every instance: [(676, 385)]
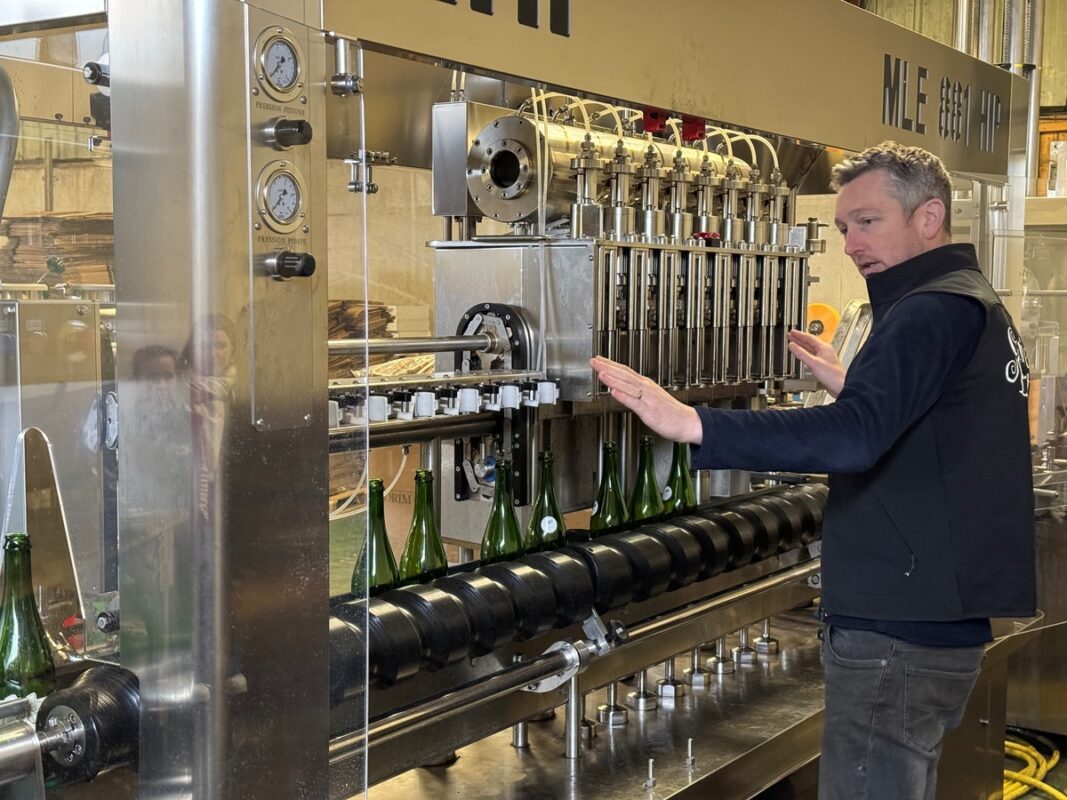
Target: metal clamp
[(362, 173), (344, 82)]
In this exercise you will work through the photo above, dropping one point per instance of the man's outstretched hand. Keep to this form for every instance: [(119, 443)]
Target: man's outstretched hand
[(668, 417), (820, 358)]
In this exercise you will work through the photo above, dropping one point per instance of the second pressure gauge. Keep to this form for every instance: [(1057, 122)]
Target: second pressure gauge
[(280, 196), (279, 64)]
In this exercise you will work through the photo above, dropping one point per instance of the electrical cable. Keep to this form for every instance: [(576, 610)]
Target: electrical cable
[(1019, 783)]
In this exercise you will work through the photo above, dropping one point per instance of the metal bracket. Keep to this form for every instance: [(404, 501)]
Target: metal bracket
[(578, 653), (344, 82), (361, 168), (572, 651)]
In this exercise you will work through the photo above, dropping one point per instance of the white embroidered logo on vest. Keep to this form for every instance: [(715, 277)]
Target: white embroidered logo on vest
[(1017, 369)]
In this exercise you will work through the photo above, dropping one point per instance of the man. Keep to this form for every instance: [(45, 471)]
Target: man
[(928, 531)]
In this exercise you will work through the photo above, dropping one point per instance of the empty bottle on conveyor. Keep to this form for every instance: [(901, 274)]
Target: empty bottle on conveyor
[(376, 568), (609, 510), (25, 657), (646, 502), (502, 539), (679, 494), (424, 554), (547, 528)]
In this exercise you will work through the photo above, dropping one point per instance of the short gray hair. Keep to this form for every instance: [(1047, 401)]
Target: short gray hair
[(915, 175)]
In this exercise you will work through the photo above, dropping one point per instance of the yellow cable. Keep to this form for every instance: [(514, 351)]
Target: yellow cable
[(1019, 783), (1033, 783)]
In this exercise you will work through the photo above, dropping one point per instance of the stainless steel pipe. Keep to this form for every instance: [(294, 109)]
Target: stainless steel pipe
[(481, 342), (425, 429), (406, 721)]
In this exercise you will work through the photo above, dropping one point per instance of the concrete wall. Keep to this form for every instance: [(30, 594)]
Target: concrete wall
[(934, 18)]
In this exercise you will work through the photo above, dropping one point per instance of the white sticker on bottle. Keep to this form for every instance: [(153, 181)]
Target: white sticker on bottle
[(595, 507), (667, 493), (549, 525)]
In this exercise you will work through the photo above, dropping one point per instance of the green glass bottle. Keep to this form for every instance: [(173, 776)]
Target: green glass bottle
[(24, 653), (501, 539), (547, 527), (424, 554), (679, 494), (376, 568), (646, 502), (609, 510)]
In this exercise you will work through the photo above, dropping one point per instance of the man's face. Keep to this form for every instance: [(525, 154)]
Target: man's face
[(878, 234)]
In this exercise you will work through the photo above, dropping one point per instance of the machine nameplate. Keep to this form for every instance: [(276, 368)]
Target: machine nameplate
[(819, 49), (967, 114)]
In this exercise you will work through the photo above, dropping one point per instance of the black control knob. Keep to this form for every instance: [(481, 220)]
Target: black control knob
[(107, 621), (286, 264), (286, 133), (96, 74)]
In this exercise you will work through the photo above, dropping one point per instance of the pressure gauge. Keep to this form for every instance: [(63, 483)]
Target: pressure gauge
[(283, 197), (278, 64), (280, 196)]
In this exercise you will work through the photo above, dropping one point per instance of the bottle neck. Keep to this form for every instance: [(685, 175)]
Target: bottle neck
[(502, 491), (376, 506), (547, 477), (424, 500), (645, 459), (611, 465), (18, 583)]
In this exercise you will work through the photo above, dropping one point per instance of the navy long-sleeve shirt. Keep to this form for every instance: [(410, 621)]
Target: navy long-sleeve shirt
[(906, 364), (898, 375)]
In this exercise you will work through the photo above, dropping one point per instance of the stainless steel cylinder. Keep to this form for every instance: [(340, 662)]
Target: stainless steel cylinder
[(520, 738), (502, 164), (480, 342)]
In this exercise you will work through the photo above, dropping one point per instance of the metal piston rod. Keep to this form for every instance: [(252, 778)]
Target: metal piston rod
[(478, 342)]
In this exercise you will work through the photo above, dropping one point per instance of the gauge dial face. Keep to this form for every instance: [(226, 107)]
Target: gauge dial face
[(282, 197), (280, 67)]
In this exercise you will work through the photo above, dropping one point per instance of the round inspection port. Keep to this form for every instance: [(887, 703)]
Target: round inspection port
[(504, 169)]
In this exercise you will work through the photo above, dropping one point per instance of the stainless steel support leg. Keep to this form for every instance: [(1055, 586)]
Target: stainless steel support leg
[(695, 675), (611, 713), (520, 739), (640, 699), (466, 554), (743, 653), (669, 686), (578, 728), (766, 644), (721, 663)]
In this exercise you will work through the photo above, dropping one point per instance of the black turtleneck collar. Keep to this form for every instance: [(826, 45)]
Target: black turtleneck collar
[(889, 286)]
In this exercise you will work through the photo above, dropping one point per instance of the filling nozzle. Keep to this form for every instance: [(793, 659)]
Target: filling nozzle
[(587, 216), (620, 172), (679, 180)]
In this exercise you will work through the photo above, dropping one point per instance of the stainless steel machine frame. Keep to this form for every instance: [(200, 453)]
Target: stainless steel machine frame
[(222, 511)]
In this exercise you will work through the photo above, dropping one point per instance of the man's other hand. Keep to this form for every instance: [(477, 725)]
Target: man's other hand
[(820, 358), (668, 417)]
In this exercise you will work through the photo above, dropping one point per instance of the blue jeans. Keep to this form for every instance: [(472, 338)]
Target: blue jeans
[(888, 705)]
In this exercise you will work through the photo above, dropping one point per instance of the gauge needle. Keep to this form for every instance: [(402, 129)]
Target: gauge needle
[(278, 66), (278, 202)]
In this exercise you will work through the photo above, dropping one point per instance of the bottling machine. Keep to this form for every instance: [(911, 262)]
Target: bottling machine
[(600, 192)]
